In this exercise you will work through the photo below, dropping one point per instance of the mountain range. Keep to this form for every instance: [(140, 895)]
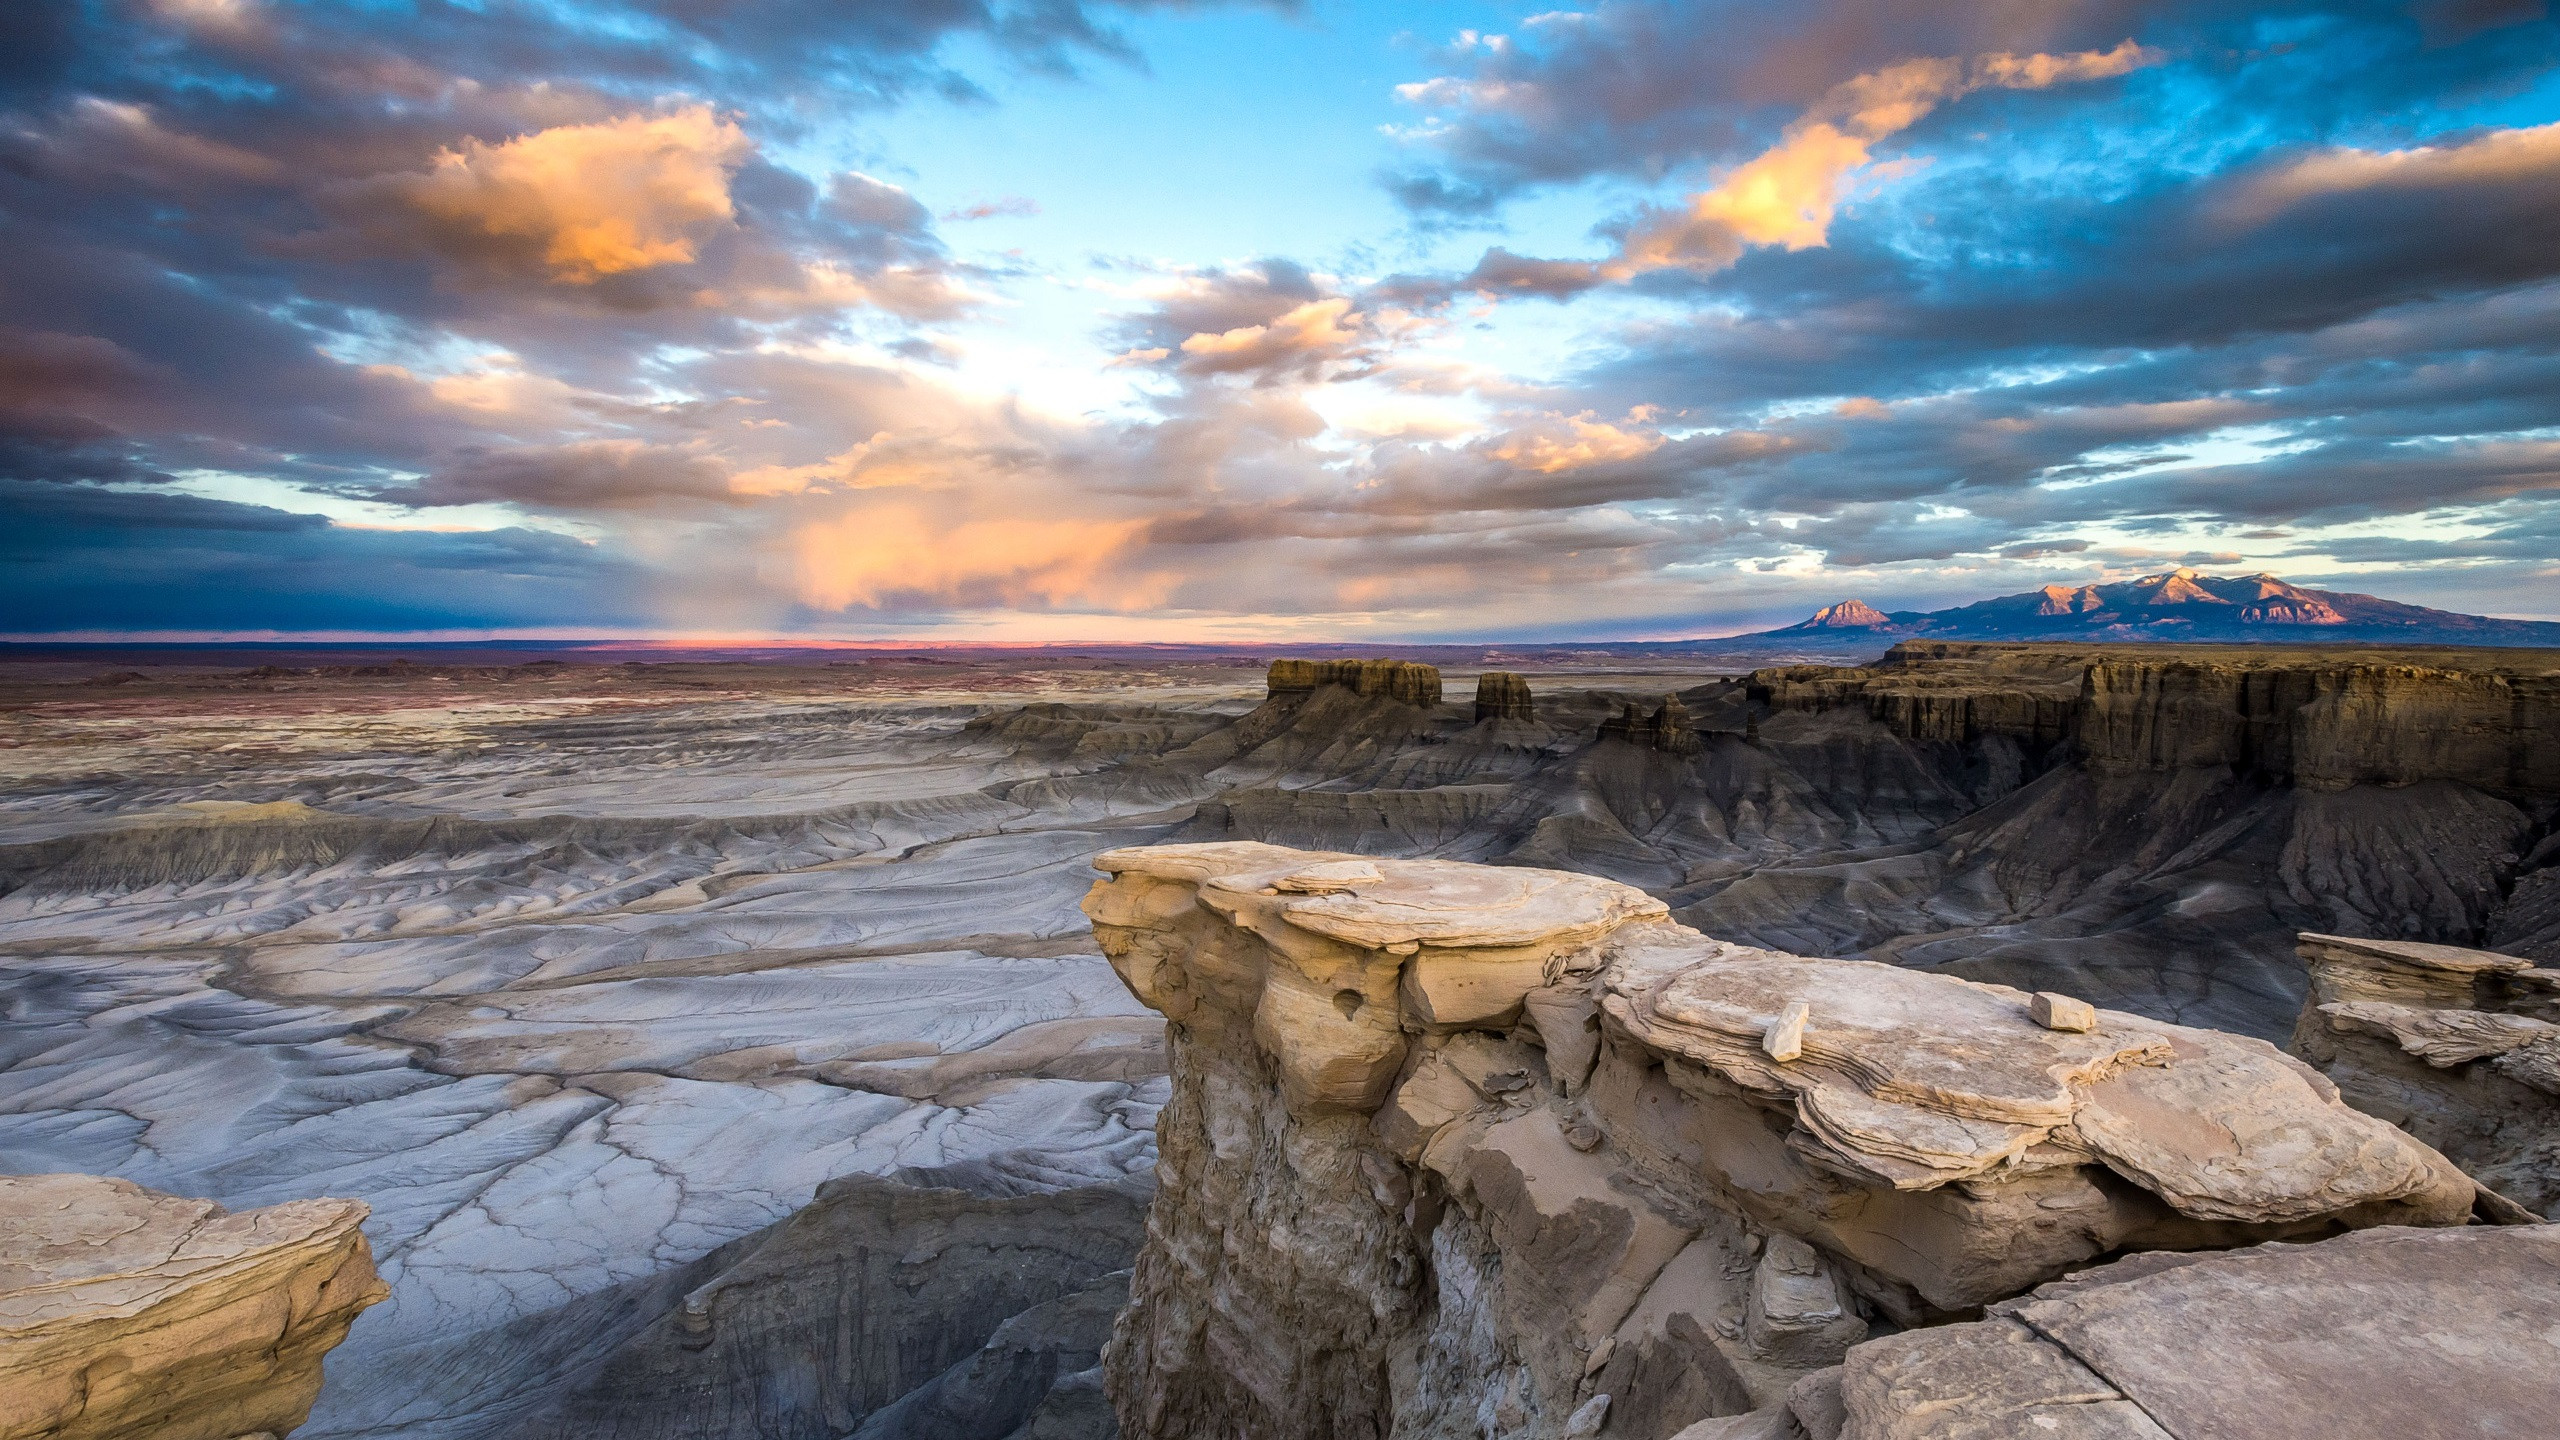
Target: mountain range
[(2176, 605)]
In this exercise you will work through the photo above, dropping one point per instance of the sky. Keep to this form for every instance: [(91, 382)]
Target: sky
[(1072, 320)]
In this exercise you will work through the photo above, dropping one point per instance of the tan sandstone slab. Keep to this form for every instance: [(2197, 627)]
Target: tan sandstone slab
[(127, 1313), (2414, 1334)]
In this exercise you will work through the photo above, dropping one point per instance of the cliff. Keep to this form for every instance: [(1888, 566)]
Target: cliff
[(126, 1313), (880, 1309), (1457, 1150), (2153, 824), (1502, 695), (1396, 679), (2461, 1048)]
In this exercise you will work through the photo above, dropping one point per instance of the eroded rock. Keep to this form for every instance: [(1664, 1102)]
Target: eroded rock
[(2459, 1047), (129, 1313), (1461, 1150)]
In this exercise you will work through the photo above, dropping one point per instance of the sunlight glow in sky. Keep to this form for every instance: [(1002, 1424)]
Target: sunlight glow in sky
[(1234, 321)]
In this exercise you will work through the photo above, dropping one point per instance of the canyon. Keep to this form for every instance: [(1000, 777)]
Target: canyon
[(641, 1002)]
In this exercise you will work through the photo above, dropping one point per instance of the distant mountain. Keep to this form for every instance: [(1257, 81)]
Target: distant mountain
[(2179, 604)]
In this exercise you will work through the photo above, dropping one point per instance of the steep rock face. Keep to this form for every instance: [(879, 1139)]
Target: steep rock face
[(2168, 818), (2461, 1048), (129, 1313), (881, 1309), (2423, 1334), (1467, 1151), (1397, 679), (1502, 695)]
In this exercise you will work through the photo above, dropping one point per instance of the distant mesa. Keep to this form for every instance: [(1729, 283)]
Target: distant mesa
[(1503, 695), (1396, 679), (2180, 604)]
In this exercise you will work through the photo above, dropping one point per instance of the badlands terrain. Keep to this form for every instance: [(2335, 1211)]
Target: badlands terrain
[(606, 985)]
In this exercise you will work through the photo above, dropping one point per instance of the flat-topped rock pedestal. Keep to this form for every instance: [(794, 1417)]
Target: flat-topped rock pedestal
[(1464, 1150), (125, 1313)]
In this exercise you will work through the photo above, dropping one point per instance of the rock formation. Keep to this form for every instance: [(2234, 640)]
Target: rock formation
[(1502, 695), (2413, 1334), (2152, 825), (125, 1313), (1397, 679), (1456, 1150), (2461, 1048), (1667, 729)]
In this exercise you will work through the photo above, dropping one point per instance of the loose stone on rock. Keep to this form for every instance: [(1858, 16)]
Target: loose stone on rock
[(2061, 1012), (1785, 1039)]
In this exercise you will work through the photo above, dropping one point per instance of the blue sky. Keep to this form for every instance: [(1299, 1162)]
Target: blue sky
[(1061, 320)]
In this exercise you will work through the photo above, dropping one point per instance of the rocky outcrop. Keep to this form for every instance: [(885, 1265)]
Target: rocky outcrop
[(2415, 1334), (1396, 679), (1667, 729), (129, 1313), (2461, 1048), (1502, 695), (1456, 1150)]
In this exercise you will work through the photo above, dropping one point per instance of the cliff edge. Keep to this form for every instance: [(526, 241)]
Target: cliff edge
[(129, 1313), (1457, 1150)]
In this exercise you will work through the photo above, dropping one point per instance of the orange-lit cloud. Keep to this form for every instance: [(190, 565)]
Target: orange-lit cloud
[(1788, 194), (877, 553), (1580, 441), (586, 201), (2499, 157), (1316, 329)]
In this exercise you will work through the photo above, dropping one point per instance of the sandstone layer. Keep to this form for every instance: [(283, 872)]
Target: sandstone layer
[(2413, 1334), (2459, 1047), (126, 1313), (1466, 1151)]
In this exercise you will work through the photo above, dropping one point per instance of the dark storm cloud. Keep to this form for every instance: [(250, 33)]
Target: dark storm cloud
[(76, 558)]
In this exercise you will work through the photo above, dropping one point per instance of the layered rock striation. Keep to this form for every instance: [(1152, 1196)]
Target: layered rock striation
[(2459, 1047), (1396, 679), (1667, 728), (129, 1313), (1467, 1151), (1502, 695)]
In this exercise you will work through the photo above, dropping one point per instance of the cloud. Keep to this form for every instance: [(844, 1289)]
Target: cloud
[(1787, 194), (2493, 159), (1306, 335), (875, 554), (578, 202)]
